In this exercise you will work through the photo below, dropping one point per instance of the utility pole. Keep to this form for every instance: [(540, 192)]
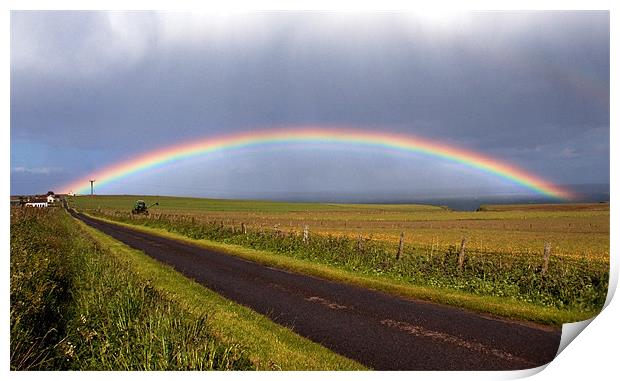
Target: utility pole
[(91, 187)]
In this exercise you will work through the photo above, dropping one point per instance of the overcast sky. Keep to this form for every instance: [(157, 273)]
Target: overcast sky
[(89, 89)]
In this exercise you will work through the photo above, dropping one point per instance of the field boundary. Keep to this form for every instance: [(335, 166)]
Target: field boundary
[(493, 307), (269, 345)]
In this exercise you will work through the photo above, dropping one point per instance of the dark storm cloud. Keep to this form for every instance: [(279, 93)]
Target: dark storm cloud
[(526, 87)]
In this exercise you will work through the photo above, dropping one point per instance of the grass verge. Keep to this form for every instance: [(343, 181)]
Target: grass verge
[(39, 290), (499, 306), (268, 345), (74, 306)]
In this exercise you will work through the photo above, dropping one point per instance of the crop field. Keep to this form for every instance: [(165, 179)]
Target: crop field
[(503, 251), (574, 230)]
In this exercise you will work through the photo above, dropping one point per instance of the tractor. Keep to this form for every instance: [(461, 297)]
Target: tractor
[(140, 207)]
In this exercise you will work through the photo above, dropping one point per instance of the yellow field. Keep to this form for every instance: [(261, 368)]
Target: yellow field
[(574, 230)]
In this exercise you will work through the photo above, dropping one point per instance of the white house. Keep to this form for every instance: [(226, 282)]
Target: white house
[(51, 199)]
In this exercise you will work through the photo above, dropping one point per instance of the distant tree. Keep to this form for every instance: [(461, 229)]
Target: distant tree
[(50, 193)]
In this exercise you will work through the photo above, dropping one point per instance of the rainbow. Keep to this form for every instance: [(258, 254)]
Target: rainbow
[(348, 136)]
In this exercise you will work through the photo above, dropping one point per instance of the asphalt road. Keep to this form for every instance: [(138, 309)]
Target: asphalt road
[(381, 331)]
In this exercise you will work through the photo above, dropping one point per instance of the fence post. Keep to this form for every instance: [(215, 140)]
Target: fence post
[(243, 228), (400, 245), (546, 256), (462, 253), (305, 240)]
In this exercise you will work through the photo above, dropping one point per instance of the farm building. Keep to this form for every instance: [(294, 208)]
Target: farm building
[(53, 198), (37, 202)]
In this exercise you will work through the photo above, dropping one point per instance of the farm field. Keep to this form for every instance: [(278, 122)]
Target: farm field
[(503, 249), (574, 230)]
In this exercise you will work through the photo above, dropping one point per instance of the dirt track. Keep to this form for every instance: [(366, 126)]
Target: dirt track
[(378, 330)]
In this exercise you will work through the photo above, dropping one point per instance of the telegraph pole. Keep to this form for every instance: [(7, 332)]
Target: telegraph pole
[(91, 187)]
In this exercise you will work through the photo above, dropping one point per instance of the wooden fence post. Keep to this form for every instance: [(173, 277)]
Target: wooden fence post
[(306, 234), (400, 245), (546, 256), (243, 228), (462, 253)]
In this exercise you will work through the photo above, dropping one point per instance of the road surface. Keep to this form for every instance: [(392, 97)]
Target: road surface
[(378, 330)]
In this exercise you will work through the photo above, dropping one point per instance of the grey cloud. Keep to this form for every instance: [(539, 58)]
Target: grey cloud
[(501, 83)]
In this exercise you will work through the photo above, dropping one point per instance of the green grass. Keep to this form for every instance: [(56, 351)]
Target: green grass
[(168, 203), (76, 306), (40, 290), (122, 322), (500, 306)]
